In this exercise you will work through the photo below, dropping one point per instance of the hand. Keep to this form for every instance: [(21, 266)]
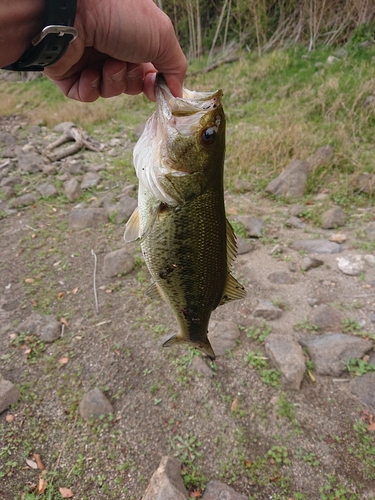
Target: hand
[(120, 46)]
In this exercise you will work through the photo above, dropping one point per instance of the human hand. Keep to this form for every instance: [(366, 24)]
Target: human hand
[(120, 46)]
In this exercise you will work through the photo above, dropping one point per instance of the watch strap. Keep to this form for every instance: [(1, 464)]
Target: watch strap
[(51, 43)]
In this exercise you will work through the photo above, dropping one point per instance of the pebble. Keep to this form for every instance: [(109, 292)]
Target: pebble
[(352, 265), (287, 356), (126, 207), (9, 394), (91, 179), (45, 326), (166, 482), (330, 352), (338, 238), (24, 200), (216, 490), (46, 190), (323, 156), (72, 189), (364, 388), (295, 222), (12, 180), (317, 246), (118, 262), (94, 404), (253, 225), (84, 218), (310, 263), (291, 183), (297, 210), (370, 260), (265, 309), (243, 246), (30, 162), (281, 278), (200, 366), (326, 318), (332, 218), (223, 336)]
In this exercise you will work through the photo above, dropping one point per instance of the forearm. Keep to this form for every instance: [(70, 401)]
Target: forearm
[(20, 21)]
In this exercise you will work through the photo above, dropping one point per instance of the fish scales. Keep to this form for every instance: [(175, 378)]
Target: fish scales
[(187, 243)]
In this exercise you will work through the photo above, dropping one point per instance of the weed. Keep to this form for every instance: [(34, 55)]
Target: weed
[(358, 367), (239, 229), (269, 376), (305, 325), (259, 333), (365, 449), (278, 455), (186, 448), (334, 491)]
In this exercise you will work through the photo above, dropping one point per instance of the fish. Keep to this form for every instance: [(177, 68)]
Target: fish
[(186, 240)]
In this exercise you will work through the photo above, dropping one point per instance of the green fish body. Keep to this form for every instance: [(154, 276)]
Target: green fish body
[(187, 243)]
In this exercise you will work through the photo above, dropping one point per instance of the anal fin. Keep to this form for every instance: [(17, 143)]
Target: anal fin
[(233, 290)]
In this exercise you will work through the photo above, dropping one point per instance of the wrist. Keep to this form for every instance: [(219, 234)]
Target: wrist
[(20, 21)]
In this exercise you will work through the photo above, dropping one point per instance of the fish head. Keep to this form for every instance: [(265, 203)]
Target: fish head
[(186, 135)]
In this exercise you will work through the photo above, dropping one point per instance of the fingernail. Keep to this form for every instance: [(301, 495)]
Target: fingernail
[(95, 83), (118, 77), (135, 73)]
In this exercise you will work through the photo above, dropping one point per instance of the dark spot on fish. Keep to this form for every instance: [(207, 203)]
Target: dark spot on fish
[(189, 315), (167, 271)]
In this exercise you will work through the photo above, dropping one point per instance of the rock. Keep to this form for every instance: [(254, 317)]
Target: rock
[(46, 190), (352, 265), (338, 238), (72, 189), (216, 490), (75, 167), (321, 157), (332, 218), (118, 262), (243, 246), (370, 260), (312, 301), (366, 183), (330, 352), (317, 246), (166, 482), (295, 222), (45, 326), (281, 278), (84, 218), (297, 210), (49, 169), (332, 60), (94, 404), (7, 139), (12, 180), (326, 318), (372, 319), (292, 181), (9, 394), (242, 186), (265, 309), (126, 207), (9, 192), (30, 162), (286, 355), (24, 200), (309, 263), (292, 267), (223, 336), (91, 179), (253, 225), (364, 388), (199, 365)]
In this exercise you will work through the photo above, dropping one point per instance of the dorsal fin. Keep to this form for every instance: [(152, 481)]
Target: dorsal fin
[(132, 227), (233, 290), (231, 244)]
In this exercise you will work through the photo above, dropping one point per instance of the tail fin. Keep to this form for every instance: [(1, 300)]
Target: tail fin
[(204, 347)]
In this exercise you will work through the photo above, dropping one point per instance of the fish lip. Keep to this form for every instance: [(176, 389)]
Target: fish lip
[(192, 102)]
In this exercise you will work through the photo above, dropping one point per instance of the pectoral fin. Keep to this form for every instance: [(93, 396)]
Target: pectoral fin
[(233, 290), (154, 292), (132, 227)]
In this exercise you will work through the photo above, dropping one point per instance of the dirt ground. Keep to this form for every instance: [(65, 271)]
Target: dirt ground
[(234, 426)]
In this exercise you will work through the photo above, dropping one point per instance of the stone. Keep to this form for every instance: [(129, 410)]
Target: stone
[(366, 183), (297, 210), (253, 225), (45, 326), (166, 482), (291, 183), (91, 179), (332, 60), (30, 162), (11, 180), (243, 246), (338, 238), (265, 309), (326, 318), (223, 336), (287, 356), (332, 218), (331, 352), (9, 394), (126, 207), (94, 404), (370, 260), (200, 366), (46, 190), (24, 201), (281, 278), (84, 218), (352, 264), (7, 138), (216, 490), (75, 167), (242, 186), (323, 156), (118, 262), (72, 189), (364, 388), (295, 222), (317, 246), (310, 263)]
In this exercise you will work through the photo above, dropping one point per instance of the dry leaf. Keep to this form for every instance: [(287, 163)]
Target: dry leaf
[(234, 405), (195, 494), (64, 322), (60, 295), (31, 463), (38, 460), (9, 418), (371, 427), (29, 280), (75, 290), (42, 485), (64, 361), (66, 492)]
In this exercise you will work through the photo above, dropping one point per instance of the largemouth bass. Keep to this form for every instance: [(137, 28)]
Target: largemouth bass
[(186, 240)]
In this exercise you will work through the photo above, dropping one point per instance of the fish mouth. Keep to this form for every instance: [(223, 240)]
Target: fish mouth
[(190, 103)]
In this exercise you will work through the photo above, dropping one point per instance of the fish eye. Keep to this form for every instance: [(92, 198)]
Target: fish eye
[(208, 136)]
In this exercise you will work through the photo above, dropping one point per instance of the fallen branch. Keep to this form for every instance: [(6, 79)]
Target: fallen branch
[(72, 133)]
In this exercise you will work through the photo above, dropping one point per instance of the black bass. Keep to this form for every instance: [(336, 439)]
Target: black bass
[(186, 240)]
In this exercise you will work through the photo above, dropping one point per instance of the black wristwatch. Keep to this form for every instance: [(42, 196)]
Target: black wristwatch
[(51, 43)]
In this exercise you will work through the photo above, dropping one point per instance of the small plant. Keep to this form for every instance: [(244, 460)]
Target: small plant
[(359, 367), (334, 491), (186, 448), (278, 455), (305, 325), (260, 332), (269, 376), (239, 229), (365, 449)]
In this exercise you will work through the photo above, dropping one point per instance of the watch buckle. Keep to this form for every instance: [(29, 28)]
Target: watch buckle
[(55, 29)]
